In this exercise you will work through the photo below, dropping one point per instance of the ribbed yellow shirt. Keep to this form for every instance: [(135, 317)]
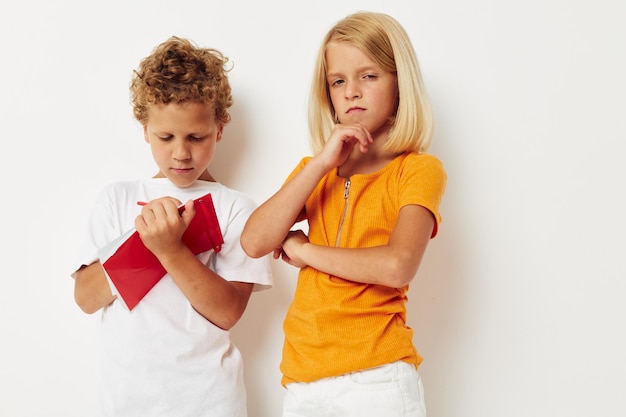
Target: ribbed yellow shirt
[(335, 326)]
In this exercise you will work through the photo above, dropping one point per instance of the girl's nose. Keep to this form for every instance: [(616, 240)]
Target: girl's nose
[(352, 90)]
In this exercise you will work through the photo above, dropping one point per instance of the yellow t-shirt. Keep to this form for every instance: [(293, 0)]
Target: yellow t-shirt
[(335, 326)]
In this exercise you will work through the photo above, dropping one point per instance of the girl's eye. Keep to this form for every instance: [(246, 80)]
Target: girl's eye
[(336, 82)]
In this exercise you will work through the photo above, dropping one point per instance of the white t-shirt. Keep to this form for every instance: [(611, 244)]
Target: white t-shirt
[(163, 358)]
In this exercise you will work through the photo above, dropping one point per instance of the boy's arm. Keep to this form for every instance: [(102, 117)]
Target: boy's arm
[(220, 301), (91, 288), (161, 226)]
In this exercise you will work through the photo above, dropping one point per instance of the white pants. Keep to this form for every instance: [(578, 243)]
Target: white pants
[(393, 390)]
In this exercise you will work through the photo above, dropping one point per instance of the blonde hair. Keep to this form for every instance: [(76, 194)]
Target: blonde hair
[(385, 41), (177, 71)]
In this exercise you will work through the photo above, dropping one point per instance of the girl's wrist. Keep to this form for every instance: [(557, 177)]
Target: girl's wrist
[(303, 251), (318, 162)]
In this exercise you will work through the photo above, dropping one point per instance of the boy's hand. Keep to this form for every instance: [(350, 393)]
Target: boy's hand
[(161, 226)]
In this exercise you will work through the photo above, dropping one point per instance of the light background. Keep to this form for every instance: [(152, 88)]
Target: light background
[(518, 307)]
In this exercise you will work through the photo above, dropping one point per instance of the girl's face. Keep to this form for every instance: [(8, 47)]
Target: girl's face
[(182, 138), (360, 90)]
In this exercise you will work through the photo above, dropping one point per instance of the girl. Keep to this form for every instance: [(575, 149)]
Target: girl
[(371, 196)]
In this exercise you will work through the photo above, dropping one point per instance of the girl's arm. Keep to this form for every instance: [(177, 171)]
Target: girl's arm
[(271, 221), (161, 226), (268, 225), (393, 265)]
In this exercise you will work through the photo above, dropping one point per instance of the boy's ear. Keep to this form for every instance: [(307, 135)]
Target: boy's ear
[(145, 133), (219, 133)]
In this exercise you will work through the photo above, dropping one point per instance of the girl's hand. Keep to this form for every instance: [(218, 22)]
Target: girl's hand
[(288, 252), (161, 226), (342, 141)]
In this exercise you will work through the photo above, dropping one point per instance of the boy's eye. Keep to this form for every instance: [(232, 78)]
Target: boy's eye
[(167, 138)]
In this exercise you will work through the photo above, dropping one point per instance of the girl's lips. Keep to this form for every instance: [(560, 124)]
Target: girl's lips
[(355, 109)]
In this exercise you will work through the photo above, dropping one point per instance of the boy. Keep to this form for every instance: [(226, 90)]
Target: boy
[(171, 355)]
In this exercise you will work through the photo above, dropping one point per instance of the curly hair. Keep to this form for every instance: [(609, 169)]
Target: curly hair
[(178, 71)]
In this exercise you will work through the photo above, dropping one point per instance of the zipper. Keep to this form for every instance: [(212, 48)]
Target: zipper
[(346, 192)]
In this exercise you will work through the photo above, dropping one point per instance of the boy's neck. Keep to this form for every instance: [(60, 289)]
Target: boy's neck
[(206, 176)]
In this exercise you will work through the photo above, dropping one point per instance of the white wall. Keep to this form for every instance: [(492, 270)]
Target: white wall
[(518, 306)]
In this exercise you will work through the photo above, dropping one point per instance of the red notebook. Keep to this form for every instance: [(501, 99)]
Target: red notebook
[(134, 270)]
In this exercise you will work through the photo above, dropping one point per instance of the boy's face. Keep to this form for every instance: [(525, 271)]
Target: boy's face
[(182, 138)]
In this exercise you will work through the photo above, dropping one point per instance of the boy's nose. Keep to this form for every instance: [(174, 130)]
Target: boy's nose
[(181, 153)]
